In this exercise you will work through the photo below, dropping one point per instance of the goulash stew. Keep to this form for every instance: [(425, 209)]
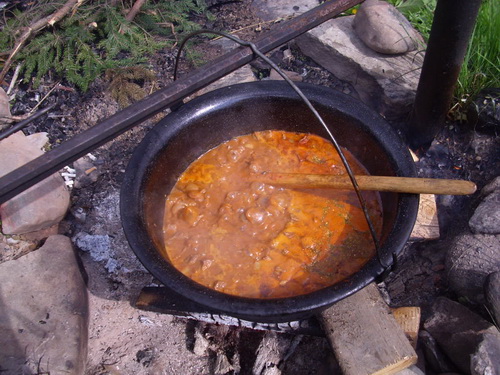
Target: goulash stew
[(227, 231)]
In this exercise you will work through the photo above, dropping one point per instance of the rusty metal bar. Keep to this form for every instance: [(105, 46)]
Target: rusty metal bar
[(22, 178), (451, 30)]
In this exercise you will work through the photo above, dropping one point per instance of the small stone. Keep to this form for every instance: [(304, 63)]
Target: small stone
[(41, 206), (470, 259), (276, 9), (491, 187), (434, 356), (5, 115), (38, 140), (492, 294), (384, 29), (486, 359), (44, 319), (201, 343), (483, 114), (460, 333), (486, 217), (86, 172)]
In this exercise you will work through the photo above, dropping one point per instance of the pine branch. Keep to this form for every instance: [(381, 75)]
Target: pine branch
[(36, 27)]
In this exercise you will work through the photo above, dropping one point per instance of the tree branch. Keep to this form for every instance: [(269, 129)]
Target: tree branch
[(135, 9)]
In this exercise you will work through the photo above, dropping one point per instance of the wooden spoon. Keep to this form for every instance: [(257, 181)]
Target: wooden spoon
[(379, 183)]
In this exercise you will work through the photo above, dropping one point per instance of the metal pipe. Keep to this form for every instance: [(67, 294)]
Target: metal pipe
[(451, 30), (22, 178)]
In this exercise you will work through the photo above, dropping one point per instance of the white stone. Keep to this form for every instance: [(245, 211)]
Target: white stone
[(39, 207)]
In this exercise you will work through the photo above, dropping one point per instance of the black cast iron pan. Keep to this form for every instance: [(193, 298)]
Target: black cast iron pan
[(218, 116)]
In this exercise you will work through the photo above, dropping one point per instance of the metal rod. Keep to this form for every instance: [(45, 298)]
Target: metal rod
[(23, 123), (451, 30), (22, 178)]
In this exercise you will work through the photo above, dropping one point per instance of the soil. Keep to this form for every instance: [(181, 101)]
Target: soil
[(126, 340)]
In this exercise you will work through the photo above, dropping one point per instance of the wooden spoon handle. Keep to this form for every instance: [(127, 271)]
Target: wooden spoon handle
[(379, 183)]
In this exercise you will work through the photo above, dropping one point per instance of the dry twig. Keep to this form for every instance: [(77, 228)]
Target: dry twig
[(135, 9), (36, 27)]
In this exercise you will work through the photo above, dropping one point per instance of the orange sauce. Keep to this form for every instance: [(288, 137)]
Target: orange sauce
[(255, 240)]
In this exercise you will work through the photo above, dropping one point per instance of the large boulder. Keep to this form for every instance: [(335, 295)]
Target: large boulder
[(472, 343), (39, 207), (43, 312), (469, 261)]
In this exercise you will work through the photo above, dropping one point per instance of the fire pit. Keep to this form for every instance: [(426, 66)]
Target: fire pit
[(242, 109)]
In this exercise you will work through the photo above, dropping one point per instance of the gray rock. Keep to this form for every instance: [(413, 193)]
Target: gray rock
[(486, 359), (386, 83), (44, 312), (462, 334), (384, 29), (5, 115), (491, 187), (42, 205), (486, 217), (86, 172), (483, 113), (434, 356), (492, 295), (470, 259), (271, 10)]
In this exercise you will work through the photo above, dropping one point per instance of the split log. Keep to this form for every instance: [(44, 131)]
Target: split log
[(409, 320), (365, 337)]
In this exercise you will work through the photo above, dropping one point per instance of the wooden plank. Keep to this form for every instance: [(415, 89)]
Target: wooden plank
[(364, 335), (427, 225), (409, 320)]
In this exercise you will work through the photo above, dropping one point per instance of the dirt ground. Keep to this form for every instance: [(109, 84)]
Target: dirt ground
[(126, 340)]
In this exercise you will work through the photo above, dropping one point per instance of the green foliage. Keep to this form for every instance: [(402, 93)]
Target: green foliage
[(420, 13), (170, 18), (125, 83), (481, 67), (97, 37)]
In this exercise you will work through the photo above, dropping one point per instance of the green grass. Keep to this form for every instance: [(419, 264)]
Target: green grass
[(481, 66)]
